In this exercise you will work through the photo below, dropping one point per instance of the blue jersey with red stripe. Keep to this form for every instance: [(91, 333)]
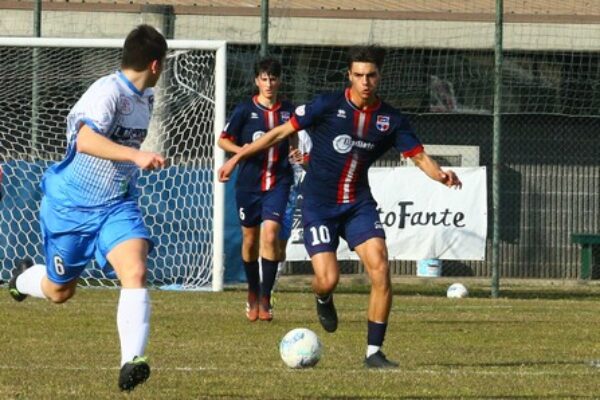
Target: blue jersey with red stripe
[(346, 141), (249, 121)]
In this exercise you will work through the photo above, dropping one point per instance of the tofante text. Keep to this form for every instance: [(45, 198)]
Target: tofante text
[(406, 216)]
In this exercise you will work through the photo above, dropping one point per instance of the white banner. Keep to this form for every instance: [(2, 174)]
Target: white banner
[(422, 218)]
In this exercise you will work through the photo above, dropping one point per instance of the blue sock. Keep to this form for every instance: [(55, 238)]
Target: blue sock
[(269, 272), (253, 277), (376, 333)]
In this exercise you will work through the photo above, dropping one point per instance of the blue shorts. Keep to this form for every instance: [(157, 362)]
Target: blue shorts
[(288, 218), (73, 237), (324, 224), (256, 207)]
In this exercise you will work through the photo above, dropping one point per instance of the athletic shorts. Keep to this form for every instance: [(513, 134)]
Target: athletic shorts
[(256, 207), (73, 237), (288, 217), (324, 224)]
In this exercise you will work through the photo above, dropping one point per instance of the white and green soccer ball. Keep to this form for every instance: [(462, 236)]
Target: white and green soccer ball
[(300, 348), (457, 291)]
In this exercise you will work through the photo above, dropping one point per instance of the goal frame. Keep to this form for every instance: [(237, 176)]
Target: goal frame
[(220, 48)]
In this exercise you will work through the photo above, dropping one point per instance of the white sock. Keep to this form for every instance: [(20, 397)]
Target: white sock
[(133, 322), (371, 349), (30, 281)]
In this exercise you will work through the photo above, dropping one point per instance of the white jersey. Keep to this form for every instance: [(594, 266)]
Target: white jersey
[(112, 107), (305, 146)]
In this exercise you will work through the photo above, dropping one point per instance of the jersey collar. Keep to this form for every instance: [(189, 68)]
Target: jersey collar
[(130, 85), (275, 107), (371, 108)]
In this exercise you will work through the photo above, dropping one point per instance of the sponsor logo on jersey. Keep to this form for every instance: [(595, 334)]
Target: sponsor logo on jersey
[(301, 110), (257, 135), (129, 136), (125, 105), (378, 225), (343, 144), (285, 116), (341, 113), (253, 115), (383, 123)]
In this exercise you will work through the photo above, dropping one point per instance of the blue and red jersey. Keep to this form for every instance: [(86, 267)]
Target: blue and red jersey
[(346, 142), (249, 121)]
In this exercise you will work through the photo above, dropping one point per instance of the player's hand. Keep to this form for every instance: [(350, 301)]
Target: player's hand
[(225, 171), (450, 179), (295, 156), (147, 160)]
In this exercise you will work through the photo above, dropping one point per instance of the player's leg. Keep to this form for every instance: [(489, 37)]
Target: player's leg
[(321, 239), (249, 211), (269, 249), (250, 243), (274, 205), (325, 279), (124, 242), (69, 240), (365, 235)]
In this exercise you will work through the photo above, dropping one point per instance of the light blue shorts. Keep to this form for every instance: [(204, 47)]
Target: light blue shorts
[(73, 237)]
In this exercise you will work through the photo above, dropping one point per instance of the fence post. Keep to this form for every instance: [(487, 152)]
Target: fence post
[(496, 163)]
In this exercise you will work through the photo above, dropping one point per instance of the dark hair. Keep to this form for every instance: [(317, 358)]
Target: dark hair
[(371, 54), (143, 45), (268, 65)]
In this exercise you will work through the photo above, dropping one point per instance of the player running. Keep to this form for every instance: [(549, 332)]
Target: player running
[(89, 208), (263, 184), (349, 129)]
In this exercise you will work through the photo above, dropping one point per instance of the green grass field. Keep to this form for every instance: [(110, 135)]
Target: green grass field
[(535, 342)]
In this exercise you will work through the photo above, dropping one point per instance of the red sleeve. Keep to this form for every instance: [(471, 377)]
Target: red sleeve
[(414, 151), (295, 123)]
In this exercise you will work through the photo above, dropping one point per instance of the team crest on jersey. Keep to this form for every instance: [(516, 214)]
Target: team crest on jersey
[(125, 105), (301, 110), (383, 123), (257, 135), (285, 116)]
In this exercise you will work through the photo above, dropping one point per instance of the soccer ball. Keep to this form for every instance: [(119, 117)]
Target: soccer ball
[(300, 348), (457, 291)]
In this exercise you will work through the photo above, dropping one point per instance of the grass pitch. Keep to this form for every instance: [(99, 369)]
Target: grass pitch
[(536, 342)]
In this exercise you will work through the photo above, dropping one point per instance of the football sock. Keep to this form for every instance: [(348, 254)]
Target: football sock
[(324, 299), (30, 281), (133, 322), (375, 336), (253, 277), (269, 272)]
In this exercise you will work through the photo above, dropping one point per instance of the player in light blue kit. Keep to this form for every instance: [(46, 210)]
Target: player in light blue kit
[(89, 208), (300, 145)]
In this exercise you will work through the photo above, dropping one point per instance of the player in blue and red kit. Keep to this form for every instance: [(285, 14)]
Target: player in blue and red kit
[(263, 184), (350, 129)]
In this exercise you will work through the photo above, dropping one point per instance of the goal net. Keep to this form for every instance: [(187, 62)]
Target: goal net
[(43, 78)]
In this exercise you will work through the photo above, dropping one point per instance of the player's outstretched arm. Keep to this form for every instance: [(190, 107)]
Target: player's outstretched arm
[(228, 146), (89, 142), (433, 170), (270, 138)]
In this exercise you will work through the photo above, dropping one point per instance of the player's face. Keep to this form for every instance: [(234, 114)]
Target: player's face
[(364, 79), (268, 85)]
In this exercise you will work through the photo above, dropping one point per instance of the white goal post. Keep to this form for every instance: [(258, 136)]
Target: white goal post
[(41, 80)]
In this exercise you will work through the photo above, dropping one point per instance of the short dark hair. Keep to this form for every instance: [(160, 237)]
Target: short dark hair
[(371, 54), (143, 45), (268, 65)]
